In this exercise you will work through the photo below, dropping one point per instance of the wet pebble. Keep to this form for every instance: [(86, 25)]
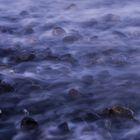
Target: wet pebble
[(63, 127), (8, 29), (111, 18), (73, 93), (119, 111), (120, 34), (71, 6), (28, 123), (93, 38), (23, 57), (6, 52), (23, 13), (6, 87), (58, 31), (89, 24), (72, 38), (68, 58), (89, 117)]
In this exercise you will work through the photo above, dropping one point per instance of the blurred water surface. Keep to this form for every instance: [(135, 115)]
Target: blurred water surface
[(48, 47)]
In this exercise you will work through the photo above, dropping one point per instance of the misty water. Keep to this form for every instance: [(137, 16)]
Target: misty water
[(65, 62)]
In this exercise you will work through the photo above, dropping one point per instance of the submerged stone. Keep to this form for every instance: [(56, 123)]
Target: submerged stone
[(67, 58), (58, 31), (71, 6), (89, 24), (28, 123), (119, 111), (73, 93), (6, 87), (89, 117), (119, 33), (111, 18), (64, 127), (7, 29), (23, 13), (23, 57), (93, 38), (72, 37)]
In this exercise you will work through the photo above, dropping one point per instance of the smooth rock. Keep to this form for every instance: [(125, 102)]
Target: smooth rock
[(28, 123)]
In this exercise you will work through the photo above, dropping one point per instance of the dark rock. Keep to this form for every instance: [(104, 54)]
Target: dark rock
[(6, 87), (23, 13), (67, 58), (6, 51), (43, 54), (77, 119), (23, 57), (90, 23), (58, 31), (28, 123), (109, 51), (52, 57), (111, 18), (118, 33), (7, 29), (12, 18), (89, 117), (95, 37), (64, 127), (71, 6), (47, 54), (119, 111), (72, 38), (73, 93)]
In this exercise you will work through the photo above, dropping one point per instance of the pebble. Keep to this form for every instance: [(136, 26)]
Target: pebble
[(28, 123)]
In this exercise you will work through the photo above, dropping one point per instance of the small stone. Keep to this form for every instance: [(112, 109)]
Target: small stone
[(93, 38), (89, 117), (7, 29), (52, 57), (23, 13), (28, 123), (67, 58), (71, 6), (119, 111), (24, 57), (58, 31), (73, 92), (6, 87), (64, 127), (89, 24), (111, 18), (71, 38)]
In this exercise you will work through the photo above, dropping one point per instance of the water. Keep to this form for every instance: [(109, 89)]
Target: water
[(48, 47)]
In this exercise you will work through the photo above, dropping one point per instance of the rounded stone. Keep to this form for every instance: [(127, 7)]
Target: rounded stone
[(28, 123)]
